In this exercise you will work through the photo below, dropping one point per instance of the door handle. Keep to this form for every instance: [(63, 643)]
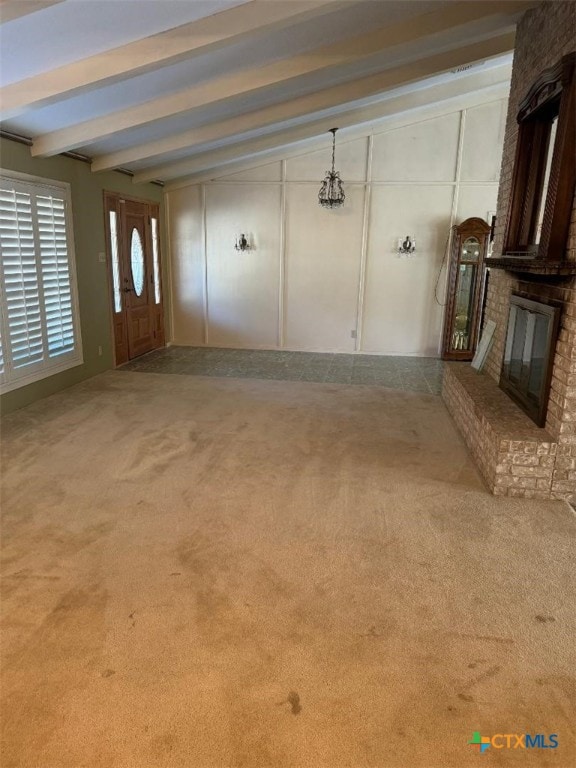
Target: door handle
[(127, 290)]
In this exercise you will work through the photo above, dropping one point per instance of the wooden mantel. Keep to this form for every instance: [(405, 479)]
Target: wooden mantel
[(529, 266)]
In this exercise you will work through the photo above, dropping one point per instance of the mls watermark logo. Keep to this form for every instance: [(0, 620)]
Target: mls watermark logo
[(513, 741), (482, 742)]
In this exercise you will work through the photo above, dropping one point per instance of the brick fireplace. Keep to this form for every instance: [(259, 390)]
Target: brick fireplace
[(516, 457)]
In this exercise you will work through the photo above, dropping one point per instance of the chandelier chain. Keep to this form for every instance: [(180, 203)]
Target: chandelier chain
[(333, 148)]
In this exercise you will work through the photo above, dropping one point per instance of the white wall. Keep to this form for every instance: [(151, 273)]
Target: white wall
[(316, 277), (243, 287), (323, 251)]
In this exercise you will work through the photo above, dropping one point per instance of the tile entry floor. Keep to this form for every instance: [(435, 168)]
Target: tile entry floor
[(414, 374)]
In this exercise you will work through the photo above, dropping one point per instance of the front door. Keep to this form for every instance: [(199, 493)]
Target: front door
[(134, 271)]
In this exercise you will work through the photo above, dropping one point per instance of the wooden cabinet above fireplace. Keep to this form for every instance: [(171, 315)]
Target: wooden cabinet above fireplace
[(544, 176)]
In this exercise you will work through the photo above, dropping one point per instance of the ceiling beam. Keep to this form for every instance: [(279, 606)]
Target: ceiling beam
[(351, 51), (415, 113), (232, 26), (14, 9), (332, 97), (250, 121)]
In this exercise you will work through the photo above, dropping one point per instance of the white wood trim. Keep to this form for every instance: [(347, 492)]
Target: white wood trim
[(76, 357), (169, 266), (453, 214), (364, 247), (205, 264), (40, 181), (40, 375), (282, 284)]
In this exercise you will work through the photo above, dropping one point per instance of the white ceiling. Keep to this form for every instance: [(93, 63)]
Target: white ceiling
[(170, 88)]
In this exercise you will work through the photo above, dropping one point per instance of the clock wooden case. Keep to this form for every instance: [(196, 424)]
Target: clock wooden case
[(465, 289)]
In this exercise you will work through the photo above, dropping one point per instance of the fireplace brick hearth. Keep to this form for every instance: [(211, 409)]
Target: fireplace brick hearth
[(516, 457)]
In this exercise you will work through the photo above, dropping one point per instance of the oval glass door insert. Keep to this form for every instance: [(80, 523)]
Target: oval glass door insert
[(137, 261)]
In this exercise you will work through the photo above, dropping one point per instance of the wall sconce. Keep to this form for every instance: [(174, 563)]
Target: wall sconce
[(406, 246), (242, 243)]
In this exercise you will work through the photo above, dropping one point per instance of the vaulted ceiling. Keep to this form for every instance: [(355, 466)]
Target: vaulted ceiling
[(181, 89)]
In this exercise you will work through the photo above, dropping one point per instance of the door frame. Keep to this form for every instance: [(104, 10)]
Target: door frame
[(113, 201)]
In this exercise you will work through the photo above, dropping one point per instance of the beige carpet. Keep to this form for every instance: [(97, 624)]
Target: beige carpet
[(207, 573)]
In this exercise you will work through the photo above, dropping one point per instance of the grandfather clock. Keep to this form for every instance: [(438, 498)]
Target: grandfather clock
[(465, 286)]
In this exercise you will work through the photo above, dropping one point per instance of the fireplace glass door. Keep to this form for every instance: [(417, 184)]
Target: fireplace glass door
[(528, 355)]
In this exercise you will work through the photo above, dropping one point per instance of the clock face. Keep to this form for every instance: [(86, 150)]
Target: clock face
[(470, 249)]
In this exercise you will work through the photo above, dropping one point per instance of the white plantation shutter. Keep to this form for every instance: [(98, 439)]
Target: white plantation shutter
[(56, 284), (20, 279), (1, 358), (39, 322)]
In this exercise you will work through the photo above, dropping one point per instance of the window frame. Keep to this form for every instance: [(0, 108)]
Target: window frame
[(10, 379)]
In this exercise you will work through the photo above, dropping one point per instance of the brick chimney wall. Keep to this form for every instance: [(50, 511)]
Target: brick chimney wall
[(544, 35)]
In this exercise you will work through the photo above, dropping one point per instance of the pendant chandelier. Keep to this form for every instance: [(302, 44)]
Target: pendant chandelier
[(331, 194)]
